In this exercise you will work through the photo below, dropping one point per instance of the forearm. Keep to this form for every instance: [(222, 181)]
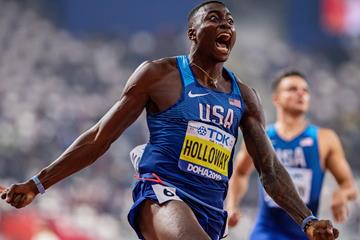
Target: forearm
[(82, 153), (281, 189), (348, 189), (237, 188)]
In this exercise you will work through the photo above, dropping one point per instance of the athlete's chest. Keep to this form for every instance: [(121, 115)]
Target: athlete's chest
[(165, 92), (297, 153), (209, 106), (169, 89)]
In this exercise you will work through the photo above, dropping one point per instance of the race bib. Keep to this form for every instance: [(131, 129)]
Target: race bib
[(206, 151), (302, 179), (164, 194)]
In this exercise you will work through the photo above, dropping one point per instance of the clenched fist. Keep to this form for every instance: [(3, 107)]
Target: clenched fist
[(234, 217), (322, 230), (20, 195)]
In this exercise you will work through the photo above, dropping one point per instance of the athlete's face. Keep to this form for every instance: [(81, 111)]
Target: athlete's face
[(213, 31), (292, 95)]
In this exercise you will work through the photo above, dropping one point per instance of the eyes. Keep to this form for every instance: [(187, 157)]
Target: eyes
[(295, 89), (215, 18)]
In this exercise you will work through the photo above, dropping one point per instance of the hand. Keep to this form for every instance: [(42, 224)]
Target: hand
[(234, 216), (321, 230), (20, 195), (1, 189), (339, 206)]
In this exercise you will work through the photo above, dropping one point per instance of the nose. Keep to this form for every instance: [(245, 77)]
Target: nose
[(302, 92), (225, 24)]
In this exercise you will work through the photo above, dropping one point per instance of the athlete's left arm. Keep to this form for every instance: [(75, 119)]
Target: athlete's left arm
[(336, 163), (273, 175)]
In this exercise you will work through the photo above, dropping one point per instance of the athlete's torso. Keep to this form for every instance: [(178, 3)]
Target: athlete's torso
[(191, 142), (301, 158)]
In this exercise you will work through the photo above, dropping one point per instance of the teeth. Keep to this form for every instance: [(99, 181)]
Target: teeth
[(224, 36)]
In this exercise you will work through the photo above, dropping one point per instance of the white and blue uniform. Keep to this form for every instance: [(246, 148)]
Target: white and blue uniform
[(301, 157), (190, 149)]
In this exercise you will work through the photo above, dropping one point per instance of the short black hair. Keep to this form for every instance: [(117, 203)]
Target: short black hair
[(283, 74), (196, 8)]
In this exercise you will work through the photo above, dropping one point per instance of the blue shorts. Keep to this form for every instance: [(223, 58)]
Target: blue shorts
[(212, 221)]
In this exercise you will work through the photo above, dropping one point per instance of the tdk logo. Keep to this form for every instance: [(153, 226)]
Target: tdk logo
[(218, 137)]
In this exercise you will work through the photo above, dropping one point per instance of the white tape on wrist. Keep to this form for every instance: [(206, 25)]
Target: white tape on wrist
[(38, 184)]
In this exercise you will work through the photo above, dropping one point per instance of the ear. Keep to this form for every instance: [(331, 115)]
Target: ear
[(192, 34), (274, 98)]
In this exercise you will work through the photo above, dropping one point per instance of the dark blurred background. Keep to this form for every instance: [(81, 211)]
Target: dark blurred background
[(64, 63)]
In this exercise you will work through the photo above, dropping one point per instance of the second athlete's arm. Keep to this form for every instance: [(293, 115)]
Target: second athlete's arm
[(238, 184), (335, 162)]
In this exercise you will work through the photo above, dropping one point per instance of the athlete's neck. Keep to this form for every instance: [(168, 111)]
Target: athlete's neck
[(290, 126), (210, 72)]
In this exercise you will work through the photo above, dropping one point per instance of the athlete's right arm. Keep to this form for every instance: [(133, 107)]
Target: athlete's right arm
[(238, 184), (90, 145)]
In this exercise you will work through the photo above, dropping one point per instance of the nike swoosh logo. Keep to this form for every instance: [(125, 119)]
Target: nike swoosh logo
[(193, 95)]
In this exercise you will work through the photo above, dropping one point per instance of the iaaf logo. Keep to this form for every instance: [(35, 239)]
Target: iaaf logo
[(202, 131)]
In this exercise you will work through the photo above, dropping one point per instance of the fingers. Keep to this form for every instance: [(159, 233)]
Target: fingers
[(336, 233), (17, 196), (323, 230), (7, 193), (19, 201), (340, 213), (3, 193), (233, 219), (10, 194), (339, 206)]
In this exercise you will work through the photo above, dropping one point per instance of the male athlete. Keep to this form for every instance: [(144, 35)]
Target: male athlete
[(306, 151), (194, 109)]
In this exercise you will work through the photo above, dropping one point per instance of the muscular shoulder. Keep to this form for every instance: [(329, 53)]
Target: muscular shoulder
[(160, 81), (151, 72), (247, 92), (327, 136), (252, 101), (328, 143), (327, 133), (160, 67)]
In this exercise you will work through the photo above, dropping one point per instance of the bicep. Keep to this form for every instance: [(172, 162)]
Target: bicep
[(127, 109), (257, 144), (253, 129), (336, 161)]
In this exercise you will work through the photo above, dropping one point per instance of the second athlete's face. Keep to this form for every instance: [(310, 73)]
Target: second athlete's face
[(292, 95), (215, 30)]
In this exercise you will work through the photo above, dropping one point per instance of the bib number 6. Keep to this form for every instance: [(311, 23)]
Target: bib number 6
[(164, 194)]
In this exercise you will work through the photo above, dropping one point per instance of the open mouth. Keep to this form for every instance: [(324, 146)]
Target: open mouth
[(222, 42)]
